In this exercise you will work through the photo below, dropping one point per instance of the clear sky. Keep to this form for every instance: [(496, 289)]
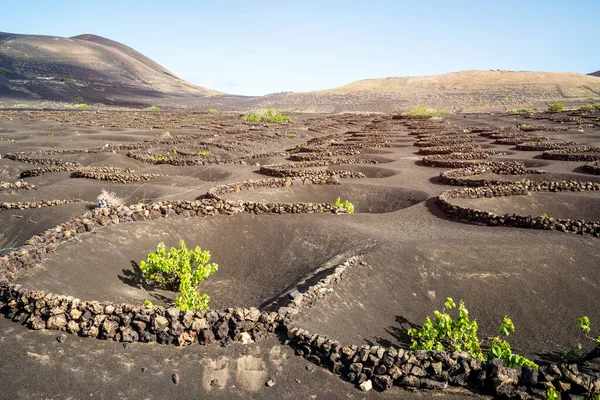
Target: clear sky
[(258, 47)]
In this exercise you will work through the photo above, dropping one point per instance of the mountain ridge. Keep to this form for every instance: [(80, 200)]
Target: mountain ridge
[(89, 66), (101, 70)]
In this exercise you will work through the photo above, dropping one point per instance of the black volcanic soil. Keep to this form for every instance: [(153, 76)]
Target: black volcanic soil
[(416, 257), (251, 272)]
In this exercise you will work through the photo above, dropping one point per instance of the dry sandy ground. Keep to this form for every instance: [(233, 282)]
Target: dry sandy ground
[(416, 258)]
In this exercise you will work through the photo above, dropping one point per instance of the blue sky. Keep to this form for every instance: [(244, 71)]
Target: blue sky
[(257, 47)]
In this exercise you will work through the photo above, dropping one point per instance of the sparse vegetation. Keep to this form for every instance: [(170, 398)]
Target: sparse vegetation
[(181, 268), (82, 106), (109, 199), (583, 323), (460, 334), (4, 70), (552, 394), (590, 107), (267, 115), (158, 158), (204, 153), (346, 205), (556, 107), (153, 108), (212, 111), (77, 99), (291, 135), (20, 106), (521, 111), (425, 112)]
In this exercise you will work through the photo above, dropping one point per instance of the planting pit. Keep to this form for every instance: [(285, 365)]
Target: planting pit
[(571, 205), (365, 198), (250, 272), (369, 171)]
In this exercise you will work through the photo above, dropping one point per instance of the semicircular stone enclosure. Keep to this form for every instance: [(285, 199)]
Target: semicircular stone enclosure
[(342, 285)]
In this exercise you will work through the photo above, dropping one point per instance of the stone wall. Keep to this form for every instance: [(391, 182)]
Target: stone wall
[(384, 367), (592, 167), (18, 185), (460, 177), (544, 145), (448, 149), (26, 205), (520, 221), (574, 153), (111, 174)]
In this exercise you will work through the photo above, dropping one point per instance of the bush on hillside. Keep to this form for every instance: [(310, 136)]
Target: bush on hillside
[(425, 112), (267, 115), (556, 107)]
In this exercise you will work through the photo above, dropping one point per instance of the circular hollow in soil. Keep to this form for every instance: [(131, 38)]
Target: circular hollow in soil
[(20, 225), (379, 159), (369, 171), (548, 176), (375, 151), (259, 257), (365, 198), (213, 174), (262, 161), (573, 205)]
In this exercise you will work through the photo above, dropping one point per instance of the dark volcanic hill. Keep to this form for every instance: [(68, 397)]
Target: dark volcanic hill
[(90, 66), (597, 73)]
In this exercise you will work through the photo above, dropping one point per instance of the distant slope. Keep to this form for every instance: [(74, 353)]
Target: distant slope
[(100, 70), (597, 73), (458, 90), (93, 67)]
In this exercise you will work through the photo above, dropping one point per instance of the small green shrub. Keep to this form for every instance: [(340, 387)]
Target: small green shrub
[(158, 158), (267, 115), (460, 334), (81, 106), (204, 153), (153, 108), (556, 107), (4, 70), (499, 348), (446, 333), (346, 205), (552, 394), (20, 106), (291, 135), (147, 303), (521, 111), (426, 112), (182, 268), (583, 323), (212, 111), (587, 108), (77, 99)]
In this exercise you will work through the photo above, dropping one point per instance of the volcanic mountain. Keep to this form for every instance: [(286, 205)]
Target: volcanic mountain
[(87, 67), (597, 73), (93, 69), (465, 90)]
